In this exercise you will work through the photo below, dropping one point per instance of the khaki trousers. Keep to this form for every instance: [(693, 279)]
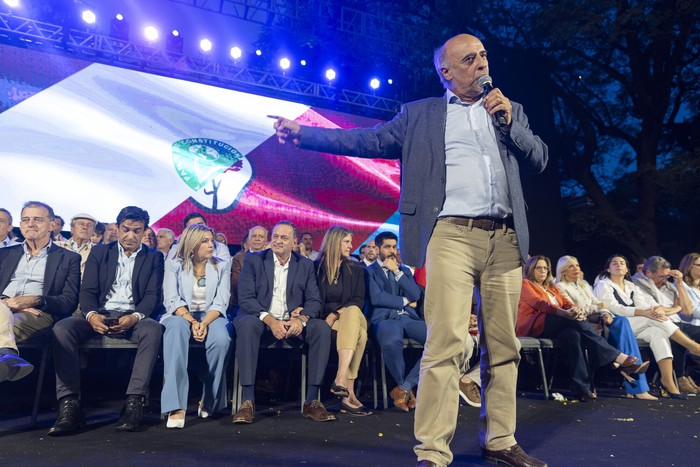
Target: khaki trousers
[(351, 330), (7, 334), (21, 327), (459, 258)]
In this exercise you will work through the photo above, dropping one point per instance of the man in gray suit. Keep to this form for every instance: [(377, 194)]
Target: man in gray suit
[(463, 217)]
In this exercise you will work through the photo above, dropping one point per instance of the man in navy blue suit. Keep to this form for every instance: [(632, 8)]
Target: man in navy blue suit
[(393, 298), (278, 297)]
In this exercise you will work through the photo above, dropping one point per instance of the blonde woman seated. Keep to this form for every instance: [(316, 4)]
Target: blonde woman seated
[(341, 284), (544, 312), (650, 324), (196, 290), (571, 284)]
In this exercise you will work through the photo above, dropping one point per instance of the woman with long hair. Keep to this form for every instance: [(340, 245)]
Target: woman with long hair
[(544, 312), (341, 284), (650, 324), (571, 284), (690, 268), (196, 291)]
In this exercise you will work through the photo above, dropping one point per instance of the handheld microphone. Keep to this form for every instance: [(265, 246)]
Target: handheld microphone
[(486, 84)]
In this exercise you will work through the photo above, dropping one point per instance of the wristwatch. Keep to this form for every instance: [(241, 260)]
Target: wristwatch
[(303, 322)]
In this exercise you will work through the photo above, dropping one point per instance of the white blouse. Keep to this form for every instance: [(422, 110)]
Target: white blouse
[(631, 294), (694, 295), (580, 294)]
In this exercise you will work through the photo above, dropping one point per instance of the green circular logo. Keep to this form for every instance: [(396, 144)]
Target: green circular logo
[(199, 160)]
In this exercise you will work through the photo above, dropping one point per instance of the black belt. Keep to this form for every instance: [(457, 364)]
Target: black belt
[(483, 223)]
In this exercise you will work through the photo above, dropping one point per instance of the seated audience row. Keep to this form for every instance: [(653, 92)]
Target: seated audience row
[(645, 308)]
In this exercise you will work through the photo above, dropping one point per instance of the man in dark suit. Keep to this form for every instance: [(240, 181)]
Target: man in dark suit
[(393, 299), (278, 297), (39, 286), (463, 216), (122, 291)]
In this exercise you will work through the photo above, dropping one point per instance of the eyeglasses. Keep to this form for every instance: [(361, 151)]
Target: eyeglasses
[(541, 268)]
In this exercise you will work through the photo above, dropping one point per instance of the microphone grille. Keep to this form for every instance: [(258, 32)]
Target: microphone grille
[(484, 80)]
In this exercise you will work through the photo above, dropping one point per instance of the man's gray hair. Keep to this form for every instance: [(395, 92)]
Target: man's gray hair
[(654, 263), (439, 60)]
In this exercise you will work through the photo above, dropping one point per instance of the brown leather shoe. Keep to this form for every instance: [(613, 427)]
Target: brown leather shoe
[(317, 412), (411, 400), (245, 414), (470, 393), (400, 398), (514, 456), (686, 386)]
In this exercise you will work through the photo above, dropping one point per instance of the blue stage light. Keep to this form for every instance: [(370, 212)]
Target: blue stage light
[(205, 45), (236, 52), (374, 83), (330, 74), (285, 63), (89, 16)]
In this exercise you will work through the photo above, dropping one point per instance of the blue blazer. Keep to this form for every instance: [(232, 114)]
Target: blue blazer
[(416, 136), (257, 279), (178, 284), (101, 271), (382, 303), (61, 277)]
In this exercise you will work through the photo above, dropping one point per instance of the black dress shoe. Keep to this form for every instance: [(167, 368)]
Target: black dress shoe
[(70, 418), (514, 456), (130, 419), (425, 463)]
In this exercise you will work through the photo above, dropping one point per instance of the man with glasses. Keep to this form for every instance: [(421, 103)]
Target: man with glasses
[(39, 284)]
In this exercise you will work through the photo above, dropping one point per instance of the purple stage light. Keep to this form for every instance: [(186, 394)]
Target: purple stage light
[(151, 33), (89, 16), (205, 45), (236, 52)]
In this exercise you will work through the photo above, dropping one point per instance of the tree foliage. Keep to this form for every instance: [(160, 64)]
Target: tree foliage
[(623, 78)]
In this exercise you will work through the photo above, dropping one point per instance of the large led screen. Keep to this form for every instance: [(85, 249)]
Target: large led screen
[(88, 137)]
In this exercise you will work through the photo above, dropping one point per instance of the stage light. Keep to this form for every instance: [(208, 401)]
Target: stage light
[(330, 74), (285, 63), (119, 28), (89, 16), (374, 83), (258, 52), (12, 3), (174, 42), (151, 33), (390, 81), (236, 53), (205, 45), (302, 63)]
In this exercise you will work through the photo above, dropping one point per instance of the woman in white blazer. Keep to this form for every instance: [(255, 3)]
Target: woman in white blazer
[(196, 290)]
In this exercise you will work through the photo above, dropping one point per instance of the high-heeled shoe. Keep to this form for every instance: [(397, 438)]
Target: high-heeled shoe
[(201, 411), (666, 393), (644, 396), (630, 366), (175, 423)]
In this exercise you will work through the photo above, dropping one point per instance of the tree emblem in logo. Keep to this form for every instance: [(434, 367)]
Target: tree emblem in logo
[(217, 172)]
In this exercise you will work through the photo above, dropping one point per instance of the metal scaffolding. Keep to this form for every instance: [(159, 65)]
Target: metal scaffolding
[(348, 21), (47, 37)]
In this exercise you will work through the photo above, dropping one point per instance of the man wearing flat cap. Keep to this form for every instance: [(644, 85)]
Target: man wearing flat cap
[(82, 227)]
